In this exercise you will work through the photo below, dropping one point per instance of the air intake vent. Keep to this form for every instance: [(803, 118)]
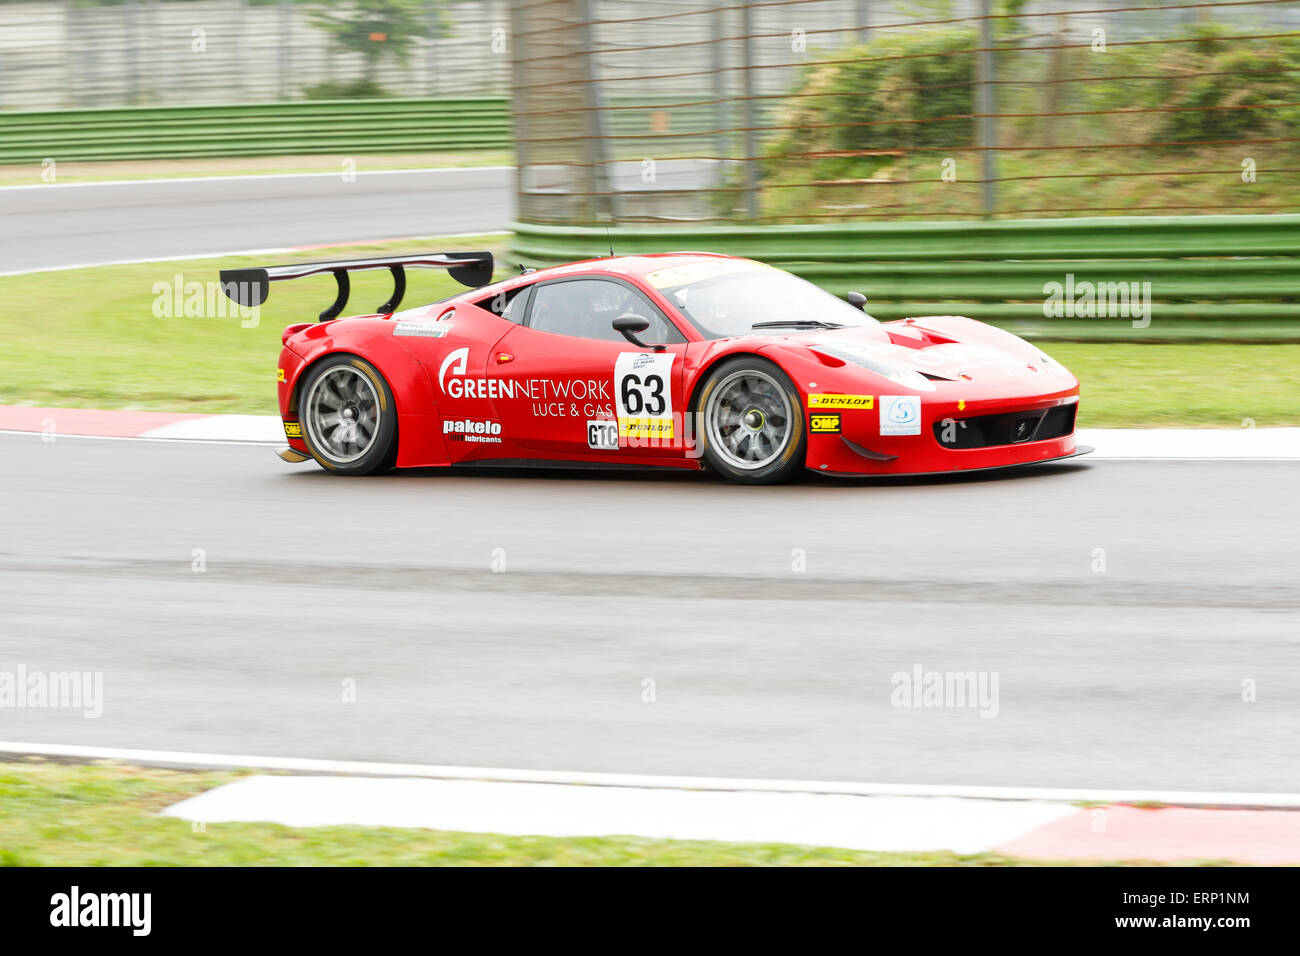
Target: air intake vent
[(1008, 428)]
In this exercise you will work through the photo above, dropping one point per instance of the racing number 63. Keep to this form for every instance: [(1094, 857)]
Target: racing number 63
[(647, 396), (643, 394)]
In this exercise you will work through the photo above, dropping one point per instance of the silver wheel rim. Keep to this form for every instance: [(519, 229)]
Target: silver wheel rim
[(749, 419), (342, 413)]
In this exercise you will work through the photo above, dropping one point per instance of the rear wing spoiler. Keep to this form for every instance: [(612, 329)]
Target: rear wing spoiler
[(250, 287)]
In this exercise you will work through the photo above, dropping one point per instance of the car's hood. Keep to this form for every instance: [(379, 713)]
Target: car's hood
[(923, 359)]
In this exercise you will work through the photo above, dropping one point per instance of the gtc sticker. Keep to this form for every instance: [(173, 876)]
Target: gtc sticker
[(417, 328), (602, 435), (841, 401), (900, 414), (292, 429), (643, 394), (824, 424)]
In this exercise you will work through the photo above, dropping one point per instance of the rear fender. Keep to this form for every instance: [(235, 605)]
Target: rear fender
[(419, 438)]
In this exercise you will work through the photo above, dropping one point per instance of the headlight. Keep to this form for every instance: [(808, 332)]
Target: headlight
[(897, 374)]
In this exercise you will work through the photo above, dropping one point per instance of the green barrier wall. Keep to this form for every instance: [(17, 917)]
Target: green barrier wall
[(272, 129), (1212, 278)]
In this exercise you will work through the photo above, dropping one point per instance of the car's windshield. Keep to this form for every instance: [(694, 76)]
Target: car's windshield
[(726, 297)]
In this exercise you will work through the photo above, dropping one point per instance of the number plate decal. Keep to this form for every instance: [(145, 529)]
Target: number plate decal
[(643, 394)]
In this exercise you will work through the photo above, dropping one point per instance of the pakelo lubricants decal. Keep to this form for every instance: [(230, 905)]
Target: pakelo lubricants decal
[(643, 394)]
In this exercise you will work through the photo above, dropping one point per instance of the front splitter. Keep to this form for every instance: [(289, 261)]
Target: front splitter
[(1079, 450)]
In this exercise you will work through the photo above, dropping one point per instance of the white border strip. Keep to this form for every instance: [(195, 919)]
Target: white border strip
[(59, 436), (1192, 444), (283, 250), (148, 181), (308, 765)]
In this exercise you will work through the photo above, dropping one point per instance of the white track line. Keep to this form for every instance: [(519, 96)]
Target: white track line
[(309, 765), (59, 436), (282, 250), (475, 806), (267, 429), (1193, 444), (218, 179)]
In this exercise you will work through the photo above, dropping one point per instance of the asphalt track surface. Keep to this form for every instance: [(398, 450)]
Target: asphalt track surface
[(64, 225), (1131, 677)]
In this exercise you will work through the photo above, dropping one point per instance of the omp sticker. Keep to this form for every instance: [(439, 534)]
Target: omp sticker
[(643, 394), (841, 401), (700, 269), (417, 328), (825, 423), (293, 429), (900, 414), (602, 435)]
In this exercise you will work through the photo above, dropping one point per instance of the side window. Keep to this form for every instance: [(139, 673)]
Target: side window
[(509, 305), (517, 304), (587, 308)]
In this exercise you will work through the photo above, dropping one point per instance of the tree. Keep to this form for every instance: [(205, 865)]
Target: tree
[(374, 28)]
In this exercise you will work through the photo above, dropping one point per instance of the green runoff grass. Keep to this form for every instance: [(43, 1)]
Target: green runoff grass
[(1196, 385), (88, 338), (56, 814), (30, 174)]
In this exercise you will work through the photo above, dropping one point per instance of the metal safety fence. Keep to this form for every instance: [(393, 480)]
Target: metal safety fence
[(807, 111), (76, 54)]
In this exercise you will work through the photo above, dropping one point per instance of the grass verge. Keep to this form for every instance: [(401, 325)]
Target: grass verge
[(54, 814), (88, 338), (29, 174)]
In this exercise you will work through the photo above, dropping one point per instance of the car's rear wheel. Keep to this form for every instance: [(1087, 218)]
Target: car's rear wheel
[(752, 422), (349, 421)]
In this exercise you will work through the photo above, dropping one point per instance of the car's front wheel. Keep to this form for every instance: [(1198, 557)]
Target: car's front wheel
[(349, 421), (752, 422)]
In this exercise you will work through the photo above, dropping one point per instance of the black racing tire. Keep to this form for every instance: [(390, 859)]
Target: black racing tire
[(348, 416), (751, 422)]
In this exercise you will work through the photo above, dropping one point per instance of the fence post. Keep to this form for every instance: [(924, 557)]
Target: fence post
[(239, 48), (721, 111), (282, 52), (132, 52), (431, 50), (599, 179), (986, 105), (750, 140), (864, 20)]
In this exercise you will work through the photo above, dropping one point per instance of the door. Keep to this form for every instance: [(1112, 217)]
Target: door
[(572, 387)]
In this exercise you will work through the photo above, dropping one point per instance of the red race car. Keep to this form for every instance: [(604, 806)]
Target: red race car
[(680, 360)]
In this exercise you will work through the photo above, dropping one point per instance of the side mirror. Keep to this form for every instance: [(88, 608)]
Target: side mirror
[(629, 325), (857, 300)]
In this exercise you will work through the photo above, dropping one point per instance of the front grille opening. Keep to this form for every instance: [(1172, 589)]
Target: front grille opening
[(1007, 428)]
